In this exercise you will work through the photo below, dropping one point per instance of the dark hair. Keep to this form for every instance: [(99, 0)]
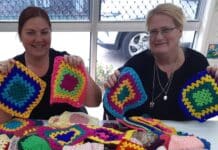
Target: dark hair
[(31, 12)]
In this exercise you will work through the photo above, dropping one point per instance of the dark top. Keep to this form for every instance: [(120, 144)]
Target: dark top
[(143, 64), (44, 110)]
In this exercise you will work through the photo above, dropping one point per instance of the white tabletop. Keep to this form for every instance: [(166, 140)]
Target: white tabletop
[(207, 130)]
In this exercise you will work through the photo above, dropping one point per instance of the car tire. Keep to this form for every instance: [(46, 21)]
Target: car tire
[(134, 43)]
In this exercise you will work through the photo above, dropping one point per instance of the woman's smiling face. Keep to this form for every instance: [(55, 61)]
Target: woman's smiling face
[(36, 36), (164, 34)]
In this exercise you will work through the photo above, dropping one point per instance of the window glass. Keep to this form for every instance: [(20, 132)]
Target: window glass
[(75, 43), (135, 10), (58, 10), (10, 45)]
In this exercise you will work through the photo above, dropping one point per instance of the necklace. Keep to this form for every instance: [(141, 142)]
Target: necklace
[(164, 89)]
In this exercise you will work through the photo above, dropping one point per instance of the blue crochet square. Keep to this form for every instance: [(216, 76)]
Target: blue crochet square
[(20, 91), (199, 97)]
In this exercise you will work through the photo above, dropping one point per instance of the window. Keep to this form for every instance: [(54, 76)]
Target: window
[(58, 10), (90, 28)]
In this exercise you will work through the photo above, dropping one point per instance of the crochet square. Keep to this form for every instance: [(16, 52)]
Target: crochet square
[(108, 135), (199, 97), (18, 126), (128, 145), (155, 125), (128, 93), (20, 91), (67, 119), (68, 83), (58, 138), (33, 142)]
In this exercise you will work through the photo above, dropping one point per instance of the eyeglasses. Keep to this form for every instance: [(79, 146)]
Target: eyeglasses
[(164, 31)]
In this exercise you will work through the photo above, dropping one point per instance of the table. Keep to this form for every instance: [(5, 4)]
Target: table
[(207, 130)]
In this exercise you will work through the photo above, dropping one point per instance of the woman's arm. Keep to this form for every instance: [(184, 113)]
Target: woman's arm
[(94, 96)]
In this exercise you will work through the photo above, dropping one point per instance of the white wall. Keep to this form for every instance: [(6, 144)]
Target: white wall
[(209, 29)]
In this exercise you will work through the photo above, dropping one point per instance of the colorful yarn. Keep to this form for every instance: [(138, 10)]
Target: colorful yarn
[(20, 91), (67, 119), (108, 135), (146, 138), (85, 146), (131, 125), (199, 97), (153, 124), (204, 141), (128, 93), (4, 142), (68, 83), (33, 142), (14, 143), (148, 125), (128, 145), (18, 126), (58, 138), (185, 142)]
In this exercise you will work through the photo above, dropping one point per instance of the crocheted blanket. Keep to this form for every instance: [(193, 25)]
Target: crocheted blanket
[(128, 93), (19, 127), (68, 83), (67, 119), (199, 97), (58, 138), (21, 90)]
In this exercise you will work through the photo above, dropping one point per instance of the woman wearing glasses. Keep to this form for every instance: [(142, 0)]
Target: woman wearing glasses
[(166, 66)]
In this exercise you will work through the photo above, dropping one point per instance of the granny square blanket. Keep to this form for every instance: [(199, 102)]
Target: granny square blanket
[(129, 145), (199, 97), (106, 135), (20, 91), (128, 93), (58, 138), (19, 126), (68, 83)]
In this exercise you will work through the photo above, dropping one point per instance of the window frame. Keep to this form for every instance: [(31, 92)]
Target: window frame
[(94, 26)]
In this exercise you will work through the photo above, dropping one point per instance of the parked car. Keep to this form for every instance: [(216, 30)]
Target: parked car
[(132, 43), (129, 43)]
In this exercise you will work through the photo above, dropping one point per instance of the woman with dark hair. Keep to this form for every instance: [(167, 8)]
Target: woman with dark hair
[(34, 29)]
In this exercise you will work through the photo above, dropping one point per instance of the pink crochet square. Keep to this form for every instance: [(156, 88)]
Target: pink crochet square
[(68, 83)]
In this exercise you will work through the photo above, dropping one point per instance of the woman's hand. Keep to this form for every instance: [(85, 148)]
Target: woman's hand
[(5, 66), (93, 95), (213, 71), (73, 60), (112, 79)]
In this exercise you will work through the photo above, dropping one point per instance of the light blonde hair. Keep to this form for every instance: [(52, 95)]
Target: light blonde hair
[(170, 10)]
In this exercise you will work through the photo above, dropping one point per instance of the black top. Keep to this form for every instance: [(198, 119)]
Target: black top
[(143, 64), (44, 110)]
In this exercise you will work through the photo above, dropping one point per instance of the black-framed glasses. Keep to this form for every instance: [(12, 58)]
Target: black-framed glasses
[(164, 31)]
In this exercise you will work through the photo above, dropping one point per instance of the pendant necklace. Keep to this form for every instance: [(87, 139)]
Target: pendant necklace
[(164, 90)]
